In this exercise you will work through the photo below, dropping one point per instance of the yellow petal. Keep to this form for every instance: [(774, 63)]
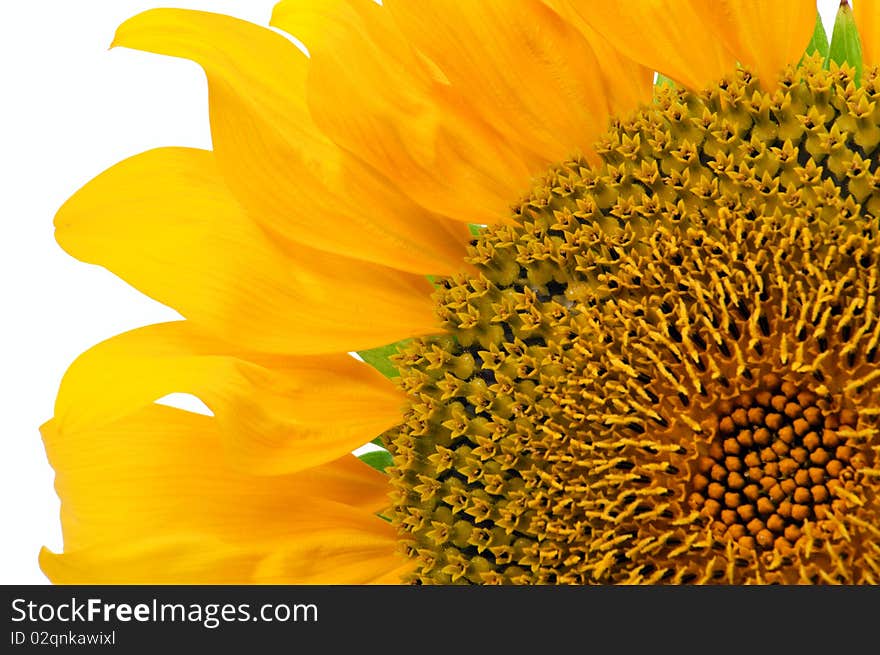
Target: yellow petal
[(288, 175), (395, 115), (763, 36), (276, 414), (165, 222), (163, 471), (670, 37), (183, 560), (395, 576), (316, 561), (151, 499), (867, 15), (338, 557), (627, 83), (519, 64)]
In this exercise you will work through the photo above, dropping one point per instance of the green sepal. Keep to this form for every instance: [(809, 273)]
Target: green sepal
[(845, 44), (378, 441), (475, 229), (380, 358), (378, 459), (662, 80), (819, 42)]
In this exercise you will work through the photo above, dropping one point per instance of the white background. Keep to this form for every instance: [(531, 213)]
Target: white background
[(69, 108)]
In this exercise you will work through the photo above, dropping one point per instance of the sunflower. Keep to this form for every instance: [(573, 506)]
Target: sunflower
[(610, 331)]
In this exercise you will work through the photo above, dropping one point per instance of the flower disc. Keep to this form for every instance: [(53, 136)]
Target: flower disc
[(666, 367)]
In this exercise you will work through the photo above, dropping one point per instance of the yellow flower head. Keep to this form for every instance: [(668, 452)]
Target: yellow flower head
[(664, 371), (656, 362)]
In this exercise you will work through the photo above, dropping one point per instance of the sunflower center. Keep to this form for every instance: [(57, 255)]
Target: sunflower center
[(666, 367), (775, 460)]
